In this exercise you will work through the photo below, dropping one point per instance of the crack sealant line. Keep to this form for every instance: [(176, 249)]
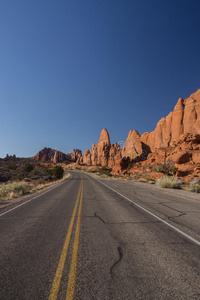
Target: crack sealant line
[(153, 215)]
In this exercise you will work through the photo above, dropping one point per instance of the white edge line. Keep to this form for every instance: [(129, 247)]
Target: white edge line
[(161, 220), (31, 199)]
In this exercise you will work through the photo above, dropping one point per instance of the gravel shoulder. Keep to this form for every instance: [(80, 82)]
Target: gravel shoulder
[(176, 192)]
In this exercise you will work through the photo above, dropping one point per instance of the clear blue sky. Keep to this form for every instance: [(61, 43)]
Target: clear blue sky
[(70, 68)]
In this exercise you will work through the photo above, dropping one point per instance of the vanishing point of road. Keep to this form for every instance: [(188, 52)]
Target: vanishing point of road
[(91, 238)]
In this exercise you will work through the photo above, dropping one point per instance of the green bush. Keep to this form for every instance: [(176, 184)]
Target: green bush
[(48, 172), (105, 171), (169, 182), (174, 170), (166, 168), (12, 166), (28, 167), (58, 171), (20, 176)]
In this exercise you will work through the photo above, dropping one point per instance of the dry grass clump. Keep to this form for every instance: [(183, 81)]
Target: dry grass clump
[(194, 186), (169, 182), (16, 189), (13, 189), (40, 186)]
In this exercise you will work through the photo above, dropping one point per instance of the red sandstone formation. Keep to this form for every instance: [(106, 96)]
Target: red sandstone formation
[(184, 119), (48, 154), (175, 139), (103, 153)]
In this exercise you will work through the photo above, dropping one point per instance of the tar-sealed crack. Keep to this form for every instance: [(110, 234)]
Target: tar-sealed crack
[(182, 214), (176, 210), (95, 214), (118, 261)]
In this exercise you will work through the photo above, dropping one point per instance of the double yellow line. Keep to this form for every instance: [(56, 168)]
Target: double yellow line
[(72, 273)]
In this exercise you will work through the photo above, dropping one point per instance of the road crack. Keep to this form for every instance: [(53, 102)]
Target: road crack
[(95, 214), (117, 262), (182, 214)]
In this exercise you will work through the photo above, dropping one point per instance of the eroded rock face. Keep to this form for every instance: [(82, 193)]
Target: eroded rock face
[(104, 139), (184, 119), (113, 156), (103, 153), (133, 145)]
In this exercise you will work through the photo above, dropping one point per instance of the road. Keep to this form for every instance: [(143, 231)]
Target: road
[(101, 239)]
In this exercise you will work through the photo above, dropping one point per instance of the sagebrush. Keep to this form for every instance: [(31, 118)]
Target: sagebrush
[(169, 182)]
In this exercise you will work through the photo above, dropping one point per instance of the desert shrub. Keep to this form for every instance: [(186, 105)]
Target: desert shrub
[(48, 172), (194, 187), (166, 168), (58, 171), (28, 167), (174, 170), (13, 189), (35, 172), (41, 181), (20, 176), (12, 166), (105, 171), (169, 182)]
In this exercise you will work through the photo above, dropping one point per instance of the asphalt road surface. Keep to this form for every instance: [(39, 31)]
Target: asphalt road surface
[(101, 239)]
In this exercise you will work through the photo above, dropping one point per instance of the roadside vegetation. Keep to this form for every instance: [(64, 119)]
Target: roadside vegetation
[(102, 172), (166, 168), (194, 186), (15, 189), (169, 178), (27, 170), (24, 176), (169, 182)]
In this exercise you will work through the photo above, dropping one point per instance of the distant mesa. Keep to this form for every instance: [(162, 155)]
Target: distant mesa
[(55, 156)]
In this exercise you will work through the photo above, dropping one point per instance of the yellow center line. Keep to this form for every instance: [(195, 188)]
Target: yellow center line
[(57, 278), (72, 273)]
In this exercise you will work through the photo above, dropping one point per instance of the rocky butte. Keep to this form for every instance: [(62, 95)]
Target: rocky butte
[(55, 156), (176, 139)]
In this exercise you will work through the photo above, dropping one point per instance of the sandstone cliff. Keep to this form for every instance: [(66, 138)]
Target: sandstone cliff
[(176, 138), (184, 119)]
